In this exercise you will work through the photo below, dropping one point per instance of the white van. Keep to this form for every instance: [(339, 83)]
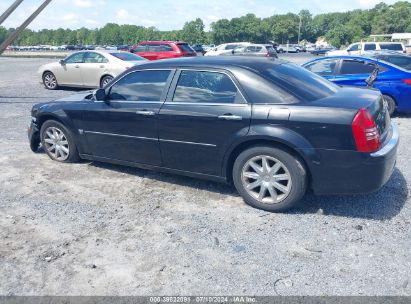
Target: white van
[(360, 48), (225, 48)]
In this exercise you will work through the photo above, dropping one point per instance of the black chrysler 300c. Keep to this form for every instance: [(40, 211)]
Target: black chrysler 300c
[(272, 128)]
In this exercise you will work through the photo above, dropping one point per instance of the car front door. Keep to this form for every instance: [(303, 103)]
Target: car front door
[(93, 69), (204, 112), (353, 72), (125, 126), (70, 71), (354, 49)]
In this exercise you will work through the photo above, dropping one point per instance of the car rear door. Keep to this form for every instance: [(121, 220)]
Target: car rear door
[(93, 68), (354, 72), (204, 112), (125, 127)]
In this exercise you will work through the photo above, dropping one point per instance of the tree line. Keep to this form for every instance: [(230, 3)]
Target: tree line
[(337, 28)]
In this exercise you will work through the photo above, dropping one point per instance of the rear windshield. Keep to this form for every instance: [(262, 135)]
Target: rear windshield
[(306, 85), (125, 56), (391, 46), (185, 48)]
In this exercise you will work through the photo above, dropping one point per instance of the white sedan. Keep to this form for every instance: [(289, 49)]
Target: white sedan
[(89, 69)]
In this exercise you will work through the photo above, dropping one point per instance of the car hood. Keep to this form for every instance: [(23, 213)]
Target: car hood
[(49, 66)]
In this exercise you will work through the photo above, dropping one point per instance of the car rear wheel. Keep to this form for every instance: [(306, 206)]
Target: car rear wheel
[(269, 178), (105, 81), (50, 81), (391, 104), (58, 142)]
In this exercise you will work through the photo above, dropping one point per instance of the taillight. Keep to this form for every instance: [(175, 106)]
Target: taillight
[(267, 55), (407, 81), (367, 138)]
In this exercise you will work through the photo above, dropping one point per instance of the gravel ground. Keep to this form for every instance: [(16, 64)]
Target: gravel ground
[(98, 229)]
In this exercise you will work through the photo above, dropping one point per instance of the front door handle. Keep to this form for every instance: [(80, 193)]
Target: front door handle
[(230, 117), (77, 66), (145, 113)]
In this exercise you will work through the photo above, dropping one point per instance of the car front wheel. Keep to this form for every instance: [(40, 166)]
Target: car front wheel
[(58, 142), (50, 81), (269, 178)]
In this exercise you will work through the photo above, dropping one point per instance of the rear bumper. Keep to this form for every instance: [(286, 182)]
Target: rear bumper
[(351, 172)]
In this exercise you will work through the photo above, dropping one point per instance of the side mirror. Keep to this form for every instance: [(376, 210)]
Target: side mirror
[(61, 61), (100, 95)]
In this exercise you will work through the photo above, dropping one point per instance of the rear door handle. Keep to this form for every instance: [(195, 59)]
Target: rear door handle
[(230, 117), (145, 113)]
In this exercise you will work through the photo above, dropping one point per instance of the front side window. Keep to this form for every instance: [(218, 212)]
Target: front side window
[(354, 47), (323, 67), (140, 86), (231, 46), (92, 57), (75, 58), (350, 67), (205, 87)]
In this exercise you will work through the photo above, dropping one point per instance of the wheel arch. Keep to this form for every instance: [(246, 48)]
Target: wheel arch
[(267, 142), (104, 75)]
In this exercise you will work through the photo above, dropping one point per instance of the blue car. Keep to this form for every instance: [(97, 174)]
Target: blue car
[(393, 81)]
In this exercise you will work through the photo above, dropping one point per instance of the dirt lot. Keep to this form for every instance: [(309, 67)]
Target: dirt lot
[(97, 229)]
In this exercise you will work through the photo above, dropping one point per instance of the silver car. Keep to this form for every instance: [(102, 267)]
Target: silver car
[(89, 69), (255, 50)]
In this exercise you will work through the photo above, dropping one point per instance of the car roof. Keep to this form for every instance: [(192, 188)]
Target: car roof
[(218, 62)]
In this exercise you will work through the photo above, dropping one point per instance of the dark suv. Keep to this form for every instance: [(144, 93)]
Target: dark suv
[(154, 50), (272, 128)]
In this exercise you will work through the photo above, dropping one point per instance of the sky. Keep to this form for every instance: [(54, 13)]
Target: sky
[(164, 15)]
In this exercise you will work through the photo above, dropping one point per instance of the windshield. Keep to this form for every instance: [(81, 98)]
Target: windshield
[(298, 81), (125, 56)]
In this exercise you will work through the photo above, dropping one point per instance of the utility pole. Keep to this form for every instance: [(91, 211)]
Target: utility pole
[(299, 30), (10, 10), (9, 40)]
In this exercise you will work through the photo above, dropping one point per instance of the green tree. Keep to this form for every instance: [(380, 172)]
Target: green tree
[(193, 31)]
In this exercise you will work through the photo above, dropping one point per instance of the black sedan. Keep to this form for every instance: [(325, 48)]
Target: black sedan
[(272, 128), (321, 51)]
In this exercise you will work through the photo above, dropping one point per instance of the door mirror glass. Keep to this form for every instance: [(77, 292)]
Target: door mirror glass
[(99, 95), (61, 61)]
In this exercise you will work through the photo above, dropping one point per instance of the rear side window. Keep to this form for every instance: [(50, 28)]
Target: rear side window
[(165, 48), (323, 67), (370, 47), (350, 67), (140, 48), (205, 87), (391, 46), (92, 57), (140, 86), (299, 82), (184, 47)]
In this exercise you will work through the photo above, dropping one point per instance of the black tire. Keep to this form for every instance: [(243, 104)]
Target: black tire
[(50, 81), (72, 156), (293, 165), (105, 80), (392, 106)]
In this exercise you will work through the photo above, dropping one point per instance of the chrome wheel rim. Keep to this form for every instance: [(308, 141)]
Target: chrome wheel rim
[(266, 179), (56, 143), (50, 81), (107, 81)]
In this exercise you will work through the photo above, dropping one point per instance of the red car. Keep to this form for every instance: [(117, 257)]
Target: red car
[(154, 50)]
